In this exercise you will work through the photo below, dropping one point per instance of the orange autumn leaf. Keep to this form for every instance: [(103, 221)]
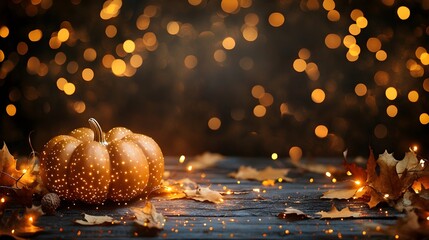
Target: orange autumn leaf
[(90, 220), (147, 217), (335, 213), (339, 193), (8, 171), (268, 173)]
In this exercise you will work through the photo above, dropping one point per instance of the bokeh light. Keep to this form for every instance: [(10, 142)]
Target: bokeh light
[(285, 77)]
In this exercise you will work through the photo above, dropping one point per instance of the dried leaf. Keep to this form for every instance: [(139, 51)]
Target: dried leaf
[(339, 194), (335, 213), (90, 220), (293, 214), (269, 173), (148, 217), (205, 160), (8, 172), (386, 185), (204, 194), (409, 163)]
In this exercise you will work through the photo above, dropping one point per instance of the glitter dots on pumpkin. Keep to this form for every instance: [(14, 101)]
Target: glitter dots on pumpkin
[(90, 166)]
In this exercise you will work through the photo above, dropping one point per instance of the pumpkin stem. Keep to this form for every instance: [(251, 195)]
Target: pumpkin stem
[(98, 132)]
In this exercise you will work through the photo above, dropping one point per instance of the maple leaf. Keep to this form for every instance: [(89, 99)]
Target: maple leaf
[(386, 185), (335, 213), (293, 214), (90, 220), (148, 218), (410, 163), (205, 160), (8, 172), (269, 173), (203, 194)]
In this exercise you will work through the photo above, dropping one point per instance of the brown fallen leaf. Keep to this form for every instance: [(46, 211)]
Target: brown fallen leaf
[(147, 217), (335, 213), (90, 220), (205, 160), (203, 194), (9, 175), (268, 173), (293, 214), (339, 194)]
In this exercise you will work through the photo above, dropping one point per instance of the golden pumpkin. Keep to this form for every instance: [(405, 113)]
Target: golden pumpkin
[(90, 166)]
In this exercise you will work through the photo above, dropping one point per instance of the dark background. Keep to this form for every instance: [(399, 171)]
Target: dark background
[(173, 103)]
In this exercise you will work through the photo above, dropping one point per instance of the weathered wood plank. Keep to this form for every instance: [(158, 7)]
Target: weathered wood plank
[(251, 214)]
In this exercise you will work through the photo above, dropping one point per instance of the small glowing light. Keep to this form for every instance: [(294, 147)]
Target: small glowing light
[(360, 189), (256, 190), (276, 19), (311, 180), (328, 174), (189, 168), (12, 231), (129, 46), (422, 163), (173, 28), (318, 95), (363, 232), (274, 156), (386, 195), (357, 182), (403, 12), (391, 93), (228, 43), (349, 173), (24, 171), (69, 88), (396, 236), (2, 200), (11, 110), (182, 159), (427, 218), (334, 180), (424, 118), (229, 6), (63, 35), (321, 131), (35, 35), (30, 219), (287, 232)]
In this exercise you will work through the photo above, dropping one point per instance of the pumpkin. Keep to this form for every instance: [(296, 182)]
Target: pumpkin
[(90, 166)]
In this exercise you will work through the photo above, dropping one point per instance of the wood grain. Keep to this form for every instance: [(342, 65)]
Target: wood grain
[(247, 215)]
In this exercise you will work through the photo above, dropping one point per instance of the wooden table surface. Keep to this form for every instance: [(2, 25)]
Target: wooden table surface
[(249, 215)]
